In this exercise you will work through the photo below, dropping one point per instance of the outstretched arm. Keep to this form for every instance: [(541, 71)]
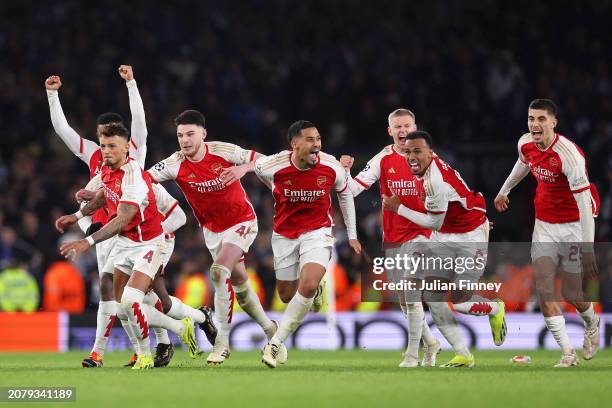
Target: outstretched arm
[(139, 124), (82, 148), (518, 173)]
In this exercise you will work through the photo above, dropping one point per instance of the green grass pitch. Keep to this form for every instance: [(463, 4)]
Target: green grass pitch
[(316, 379)]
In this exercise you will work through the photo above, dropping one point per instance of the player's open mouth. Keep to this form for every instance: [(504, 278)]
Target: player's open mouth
[(536, 132), (313, 155), (414, 166)]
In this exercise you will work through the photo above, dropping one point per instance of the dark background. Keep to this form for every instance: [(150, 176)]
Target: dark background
[(467, 69)]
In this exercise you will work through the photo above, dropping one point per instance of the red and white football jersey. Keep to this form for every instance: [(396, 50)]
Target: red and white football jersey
[(129, 185), (446, 192), (216, 206), (301, 197), (560, 171), (392, 170), (91, 154)]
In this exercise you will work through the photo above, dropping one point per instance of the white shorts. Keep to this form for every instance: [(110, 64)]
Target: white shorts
[(290, 255), (242, 235), (560, 242), (468, 250), (413, 248), (103, 249), (129, 256)]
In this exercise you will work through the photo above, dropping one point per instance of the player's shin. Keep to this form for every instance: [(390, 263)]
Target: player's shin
[(107, 311), (556, 325), (415, 315), (130, 330), (249, 302), (446, 323), (161, 334), (477, 306), (132, 305), (179, 311), (296, 311), (224, 297)]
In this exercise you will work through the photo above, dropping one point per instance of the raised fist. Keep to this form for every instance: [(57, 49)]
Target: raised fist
[(53, 83), (126, 72), (346, 161)]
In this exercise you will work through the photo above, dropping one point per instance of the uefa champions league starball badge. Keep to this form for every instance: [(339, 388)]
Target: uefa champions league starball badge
[(520, 360)]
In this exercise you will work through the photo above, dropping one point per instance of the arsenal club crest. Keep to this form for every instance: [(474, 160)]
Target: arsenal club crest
[(553, 162), (321, 181), (217, 168)]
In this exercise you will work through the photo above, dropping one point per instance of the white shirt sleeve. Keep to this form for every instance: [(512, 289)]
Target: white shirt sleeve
[(265, 173), (575, 171), (174, 216), (80, 147), (167, 169), (345, 200), (432, 221), (587, 223), (133, 187), (368, 176), (139, 123), (231, 152), (518, 173), (94, 185), (436, 200)]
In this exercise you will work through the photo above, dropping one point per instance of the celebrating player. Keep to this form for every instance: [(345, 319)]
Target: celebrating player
[(137, 252), (173, 218), (564, 230), (225, 214), (89, 152), (461, 230), (400, 235), (301, 181)]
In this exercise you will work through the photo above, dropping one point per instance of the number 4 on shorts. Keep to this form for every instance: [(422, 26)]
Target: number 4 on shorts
[(149, 256)]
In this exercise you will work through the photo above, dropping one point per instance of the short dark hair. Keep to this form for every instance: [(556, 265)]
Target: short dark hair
[(109, 117), (115, 129), (296, 128), (544, 104), (190, 117), (420, 134)]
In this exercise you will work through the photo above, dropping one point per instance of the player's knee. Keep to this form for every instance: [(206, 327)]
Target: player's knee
[(433, 297), (166, 303), (218, 272), (413, 306), (129, 297), (106, 287)]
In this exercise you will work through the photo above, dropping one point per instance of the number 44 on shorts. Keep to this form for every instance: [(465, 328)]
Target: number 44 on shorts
[(243, 231)]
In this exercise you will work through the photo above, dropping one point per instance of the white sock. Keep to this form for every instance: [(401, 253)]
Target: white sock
[(107, 311), (445, 320), (160, 320), (426, 334), (296, 311), (249, 302), (556, 325), (179, 311), (415, 316), (477, 306), (129, 329), (589, 316), (131, 303), (224, 297), (161, 334)]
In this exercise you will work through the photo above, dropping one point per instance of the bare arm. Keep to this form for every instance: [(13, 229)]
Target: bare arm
[(125, 213), (97, 202), (232, 174)]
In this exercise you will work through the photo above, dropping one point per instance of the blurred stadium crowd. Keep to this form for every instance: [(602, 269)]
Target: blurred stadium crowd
[(467, 69)]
